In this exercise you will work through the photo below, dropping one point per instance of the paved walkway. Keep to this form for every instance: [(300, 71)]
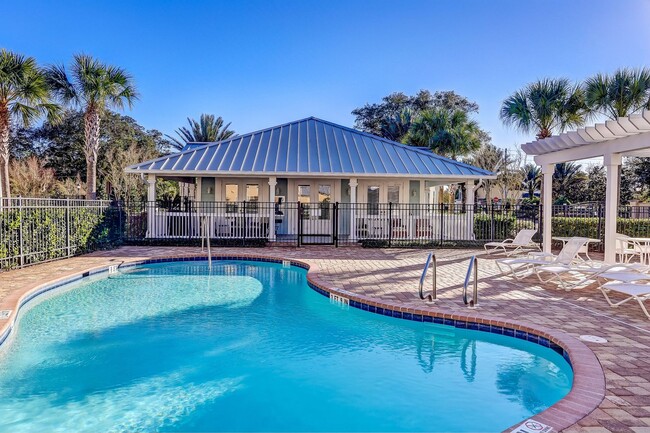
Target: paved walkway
[(391, 275)]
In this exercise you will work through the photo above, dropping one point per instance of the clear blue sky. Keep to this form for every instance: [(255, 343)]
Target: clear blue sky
[(261, 63)]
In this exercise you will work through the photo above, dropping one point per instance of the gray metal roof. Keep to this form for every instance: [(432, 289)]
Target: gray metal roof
[(308, 147)]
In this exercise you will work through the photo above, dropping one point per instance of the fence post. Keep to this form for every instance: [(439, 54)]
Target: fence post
[(441, 207), (600, 224), (492, 222), (299, 234), (67, 225), (390, 223), (20, 232), (243, 225), (335, 229)]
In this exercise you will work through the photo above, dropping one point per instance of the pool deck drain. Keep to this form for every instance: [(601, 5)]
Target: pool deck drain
[(391, 276)]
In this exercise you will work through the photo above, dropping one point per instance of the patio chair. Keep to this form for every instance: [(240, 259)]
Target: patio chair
[(627, 248), (566, 257), (590, 271), (637, 292), (522, 242)]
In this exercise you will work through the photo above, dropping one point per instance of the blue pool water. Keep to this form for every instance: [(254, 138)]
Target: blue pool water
[(250, 347)]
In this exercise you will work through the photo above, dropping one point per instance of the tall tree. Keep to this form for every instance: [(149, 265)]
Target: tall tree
[(531, 174), (596, 184), (94, 87), (545, 107), (397, 126), (24, 97), (568, 180), (621, 94), (448, 133), (488, 157), (207, 129), (381, 118), (61, 145)]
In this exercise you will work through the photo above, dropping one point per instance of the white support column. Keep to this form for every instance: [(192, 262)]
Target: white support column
[(612, 163), (272, 183), (469, 190), (151, 206), (423, 193), (199, 187), (547, 205), (353, 209), (433, 195)]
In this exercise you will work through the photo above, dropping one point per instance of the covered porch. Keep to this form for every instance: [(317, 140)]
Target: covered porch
[(316, 180)]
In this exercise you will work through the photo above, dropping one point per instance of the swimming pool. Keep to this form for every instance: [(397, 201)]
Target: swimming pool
[(250, 347)]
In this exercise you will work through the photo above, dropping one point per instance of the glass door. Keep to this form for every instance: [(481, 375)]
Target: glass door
[(316, 199)]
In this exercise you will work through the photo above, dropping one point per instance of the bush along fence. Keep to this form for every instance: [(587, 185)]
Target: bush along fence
[(34, 230), (38, 230)]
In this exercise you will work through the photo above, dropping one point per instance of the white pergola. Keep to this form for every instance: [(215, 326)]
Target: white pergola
[(612, 140)]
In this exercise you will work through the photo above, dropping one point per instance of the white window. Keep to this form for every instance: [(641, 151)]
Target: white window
[(232, 195), (373, 200), (325, 199), (304, 198), (393, 193), (252, 197)]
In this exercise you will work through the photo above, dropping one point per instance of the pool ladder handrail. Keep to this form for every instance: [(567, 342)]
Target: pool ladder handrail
[(431, 260), (472, 269), (205, 238)]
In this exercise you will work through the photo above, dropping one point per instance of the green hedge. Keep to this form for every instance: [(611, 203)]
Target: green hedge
[(588, 227), (47, 233), (506, 225)]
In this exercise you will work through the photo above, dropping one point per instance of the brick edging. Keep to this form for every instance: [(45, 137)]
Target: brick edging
[(587, 391)]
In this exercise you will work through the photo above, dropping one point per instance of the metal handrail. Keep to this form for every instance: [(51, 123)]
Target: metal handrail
[(431, 259), (206, 238), (473, 266)]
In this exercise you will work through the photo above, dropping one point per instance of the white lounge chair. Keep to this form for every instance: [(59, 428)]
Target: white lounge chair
[(638, 292), (522, 242), (524, 266), (589, 271)]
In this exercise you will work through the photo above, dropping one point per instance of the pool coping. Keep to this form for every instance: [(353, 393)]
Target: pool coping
[(586, 394)]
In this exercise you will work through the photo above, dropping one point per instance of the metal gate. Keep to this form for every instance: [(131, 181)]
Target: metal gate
[(317, 223)]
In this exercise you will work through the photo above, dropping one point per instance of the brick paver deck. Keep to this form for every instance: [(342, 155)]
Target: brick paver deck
[(391, 276)]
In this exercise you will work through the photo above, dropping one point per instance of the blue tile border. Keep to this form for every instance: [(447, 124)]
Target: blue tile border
[(461, 324)]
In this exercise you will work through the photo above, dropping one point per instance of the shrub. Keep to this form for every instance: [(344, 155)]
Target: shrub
[(49, 233), (505, 226)]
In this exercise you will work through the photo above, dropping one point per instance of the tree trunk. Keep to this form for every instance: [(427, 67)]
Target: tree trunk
[(5, 189), (91, 132)]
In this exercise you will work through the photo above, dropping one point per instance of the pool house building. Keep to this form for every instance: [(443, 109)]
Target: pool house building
[(310, 180)]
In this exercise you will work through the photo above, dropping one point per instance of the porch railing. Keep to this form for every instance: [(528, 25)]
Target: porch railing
[(375, 224)]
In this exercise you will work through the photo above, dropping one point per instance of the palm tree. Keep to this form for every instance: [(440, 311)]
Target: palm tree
[(448, 133), (94, 87), (531, 174), (207, 129), (24, 96), (545, 107), (397, 126), (619, 95), (565, 177)]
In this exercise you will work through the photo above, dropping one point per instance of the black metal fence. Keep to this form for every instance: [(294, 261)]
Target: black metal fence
[(295, 223), (36, 230)]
